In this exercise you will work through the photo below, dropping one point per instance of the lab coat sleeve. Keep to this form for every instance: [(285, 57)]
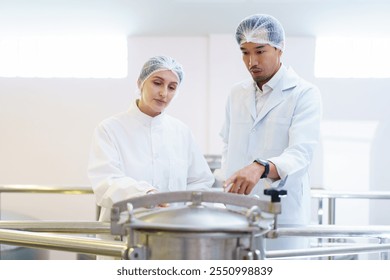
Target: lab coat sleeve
[(109, 182), (304, 134), (199, 173)]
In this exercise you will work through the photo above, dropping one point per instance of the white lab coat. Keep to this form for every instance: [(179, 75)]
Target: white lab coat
[(133, 153), (285, 132)]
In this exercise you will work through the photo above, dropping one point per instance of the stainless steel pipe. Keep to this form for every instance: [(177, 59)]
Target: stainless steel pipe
[(45, 189), (320, 252), (318, 193), (119, 249), (58, 226), (331, 196), (64, 243), (379, 232), (332, 231)]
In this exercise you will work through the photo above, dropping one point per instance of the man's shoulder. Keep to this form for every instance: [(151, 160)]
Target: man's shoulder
[(242, 85)]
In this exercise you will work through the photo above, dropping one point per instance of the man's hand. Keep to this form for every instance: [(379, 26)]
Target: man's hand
[(244, 180)]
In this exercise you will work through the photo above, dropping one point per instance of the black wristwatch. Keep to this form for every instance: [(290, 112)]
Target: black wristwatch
[(266, 167)]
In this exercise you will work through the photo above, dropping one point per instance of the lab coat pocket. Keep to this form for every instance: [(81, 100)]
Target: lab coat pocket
[(277, 130), (177, 175)]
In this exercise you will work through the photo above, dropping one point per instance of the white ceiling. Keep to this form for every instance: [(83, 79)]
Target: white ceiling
[(192, 17)]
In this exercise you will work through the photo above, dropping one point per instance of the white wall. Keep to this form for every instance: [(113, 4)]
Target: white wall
[(46, 124)]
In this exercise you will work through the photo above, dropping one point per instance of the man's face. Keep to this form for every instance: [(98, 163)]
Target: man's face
[(261, 60)]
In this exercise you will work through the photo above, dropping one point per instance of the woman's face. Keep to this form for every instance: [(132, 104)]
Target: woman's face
[(157, 92)]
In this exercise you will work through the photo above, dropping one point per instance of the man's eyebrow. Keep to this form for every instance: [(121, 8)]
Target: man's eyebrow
[(258, 47)]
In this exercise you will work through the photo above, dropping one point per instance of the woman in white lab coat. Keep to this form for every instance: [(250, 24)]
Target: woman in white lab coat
[(144, 150), (272, 126)]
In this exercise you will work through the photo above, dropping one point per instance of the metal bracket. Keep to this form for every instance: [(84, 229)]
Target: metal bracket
[(137, 253)]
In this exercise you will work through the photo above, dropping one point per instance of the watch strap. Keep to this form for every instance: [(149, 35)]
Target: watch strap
[(266, 167)]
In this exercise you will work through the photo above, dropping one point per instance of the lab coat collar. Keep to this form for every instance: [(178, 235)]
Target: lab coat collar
[(276, 78), (145, 119), (290, 79), (283, 80)]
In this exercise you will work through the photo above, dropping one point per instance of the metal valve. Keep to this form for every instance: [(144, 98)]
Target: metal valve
[(275, 194)]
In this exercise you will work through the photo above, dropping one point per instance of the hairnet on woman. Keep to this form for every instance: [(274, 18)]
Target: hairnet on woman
[(159, 63), (144, 149)]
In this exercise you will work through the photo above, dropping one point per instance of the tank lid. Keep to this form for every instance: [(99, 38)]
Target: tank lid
[(197, 218)]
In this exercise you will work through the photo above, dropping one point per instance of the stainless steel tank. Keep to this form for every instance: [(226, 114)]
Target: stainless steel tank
[(201, 227)]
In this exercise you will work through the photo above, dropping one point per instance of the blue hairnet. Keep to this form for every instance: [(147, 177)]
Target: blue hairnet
[(261, 29), (160, 63)]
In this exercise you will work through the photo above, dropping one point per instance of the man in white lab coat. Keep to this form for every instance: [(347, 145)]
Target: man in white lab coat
[(272, 126)]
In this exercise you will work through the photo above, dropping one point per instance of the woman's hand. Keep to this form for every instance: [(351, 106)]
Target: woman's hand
[(162, 205)]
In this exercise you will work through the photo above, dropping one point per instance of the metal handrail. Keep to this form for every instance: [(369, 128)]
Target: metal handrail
[(321, 194), (45, 189), (315, 193), (119, 249), (49, 189), (35, 233), (49, 241), (321, 252), (325, 231), (79, 227), (318, 193)]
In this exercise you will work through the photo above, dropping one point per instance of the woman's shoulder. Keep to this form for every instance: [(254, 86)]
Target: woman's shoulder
[(176, 122), (178, 127), (114, 120)]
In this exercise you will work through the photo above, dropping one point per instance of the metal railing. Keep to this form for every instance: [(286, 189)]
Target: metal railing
[(45, 189), (381, 233), (79, 227), (331, 196), (49, 189), (35, 233), (76, 244), (119, 249)]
